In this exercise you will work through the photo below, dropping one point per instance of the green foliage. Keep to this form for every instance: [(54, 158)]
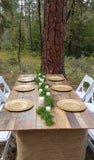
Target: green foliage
[(77, 68), (37, 80), (82, 64), (42, 86), (41, 74), (6, 45), (34, 54), (79, 39), (37, 68), (13, 58), (43, 93), (46, 115), (92, 58), (36, 36), (49, 101)]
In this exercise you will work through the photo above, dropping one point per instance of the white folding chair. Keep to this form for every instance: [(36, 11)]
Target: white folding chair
[(81, 91), (90, 141), (89, 100), (5, 89), (5, 136), (2, 98)]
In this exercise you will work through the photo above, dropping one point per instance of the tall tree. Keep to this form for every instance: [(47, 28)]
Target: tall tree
[(7, 12), (53, 36), (20, 34), (30, 25), (39, 14), (25, 11)]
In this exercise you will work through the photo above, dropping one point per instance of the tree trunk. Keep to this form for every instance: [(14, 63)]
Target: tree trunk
[(53, 36), (30, 26), (69, 43), (19, 48), (20, 34), (69, 48), (25, 18), (39, 14)]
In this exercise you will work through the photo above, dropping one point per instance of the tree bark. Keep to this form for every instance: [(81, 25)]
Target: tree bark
[(53, 36)]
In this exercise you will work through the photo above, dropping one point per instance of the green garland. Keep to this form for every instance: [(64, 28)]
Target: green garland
[(46, 115), (37, 80)]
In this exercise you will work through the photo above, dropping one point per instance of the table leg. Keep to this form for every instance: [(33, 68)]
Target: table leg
[(51, 144)]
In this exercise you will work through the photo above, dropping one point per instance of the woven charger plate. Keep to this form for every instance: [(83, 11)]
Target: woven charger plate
[(61, 88), (71, 105), (55, 78), (24, 88), (19, 105), (26, 79)]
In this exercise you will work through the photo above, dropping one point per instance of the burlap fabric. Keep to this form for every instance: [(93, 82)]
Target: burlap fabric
[(51, 145)]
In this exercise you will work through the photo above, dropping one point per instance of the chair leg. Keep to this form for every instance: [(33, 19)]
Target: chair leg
[(90, 144), (12, 144), (13, 134), (5, 150)]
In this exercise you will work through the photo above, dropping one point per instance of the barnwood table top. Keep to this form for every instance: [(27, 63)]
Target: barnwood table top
[(29, 120)]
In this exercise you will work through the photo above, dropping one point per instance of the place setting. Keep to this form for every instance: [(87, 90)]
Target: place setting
[(18, 105), (71, 105), (61, 88), (25, 79), (55, 78), (24, 88)]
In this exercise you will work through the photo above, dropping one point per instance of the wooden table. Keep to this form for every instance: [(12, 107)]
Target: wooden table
[(65, 140)]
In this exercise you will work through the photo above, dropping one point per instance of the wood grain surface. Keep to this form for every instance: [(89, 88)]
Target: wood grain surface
[(28, 120)]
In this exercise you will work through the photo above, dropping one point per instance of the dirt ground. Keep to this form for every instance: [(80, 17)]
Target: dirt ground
[(11, 155)]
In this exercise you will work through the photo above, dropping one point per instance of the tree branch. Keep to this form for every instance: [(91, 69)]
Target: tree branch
[(72, 6)]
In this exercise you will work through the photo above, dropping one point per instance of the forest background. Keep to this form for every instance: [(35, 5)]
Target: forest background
[(21, 30)]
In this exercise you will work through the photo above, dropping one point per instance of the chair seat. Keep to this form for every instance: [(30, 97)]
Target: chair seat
[(91, 133), (4, 135), (80, 94), (90, 106)]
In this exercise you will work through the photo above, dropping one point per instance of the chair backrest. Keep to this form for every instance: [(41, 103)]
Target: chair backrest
[(90, 97), (6, 88), (88, 91), (2, 97), (90, 81)]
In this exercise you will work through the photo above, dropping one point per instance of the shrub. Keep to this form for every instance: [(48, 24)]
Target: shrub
[(13, 58), (35, 54), (6, 45)]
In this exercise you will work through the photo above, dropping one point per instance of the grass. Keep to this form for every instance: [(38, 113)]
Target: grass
[(75, 71), (9, 67), (75, 68)]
